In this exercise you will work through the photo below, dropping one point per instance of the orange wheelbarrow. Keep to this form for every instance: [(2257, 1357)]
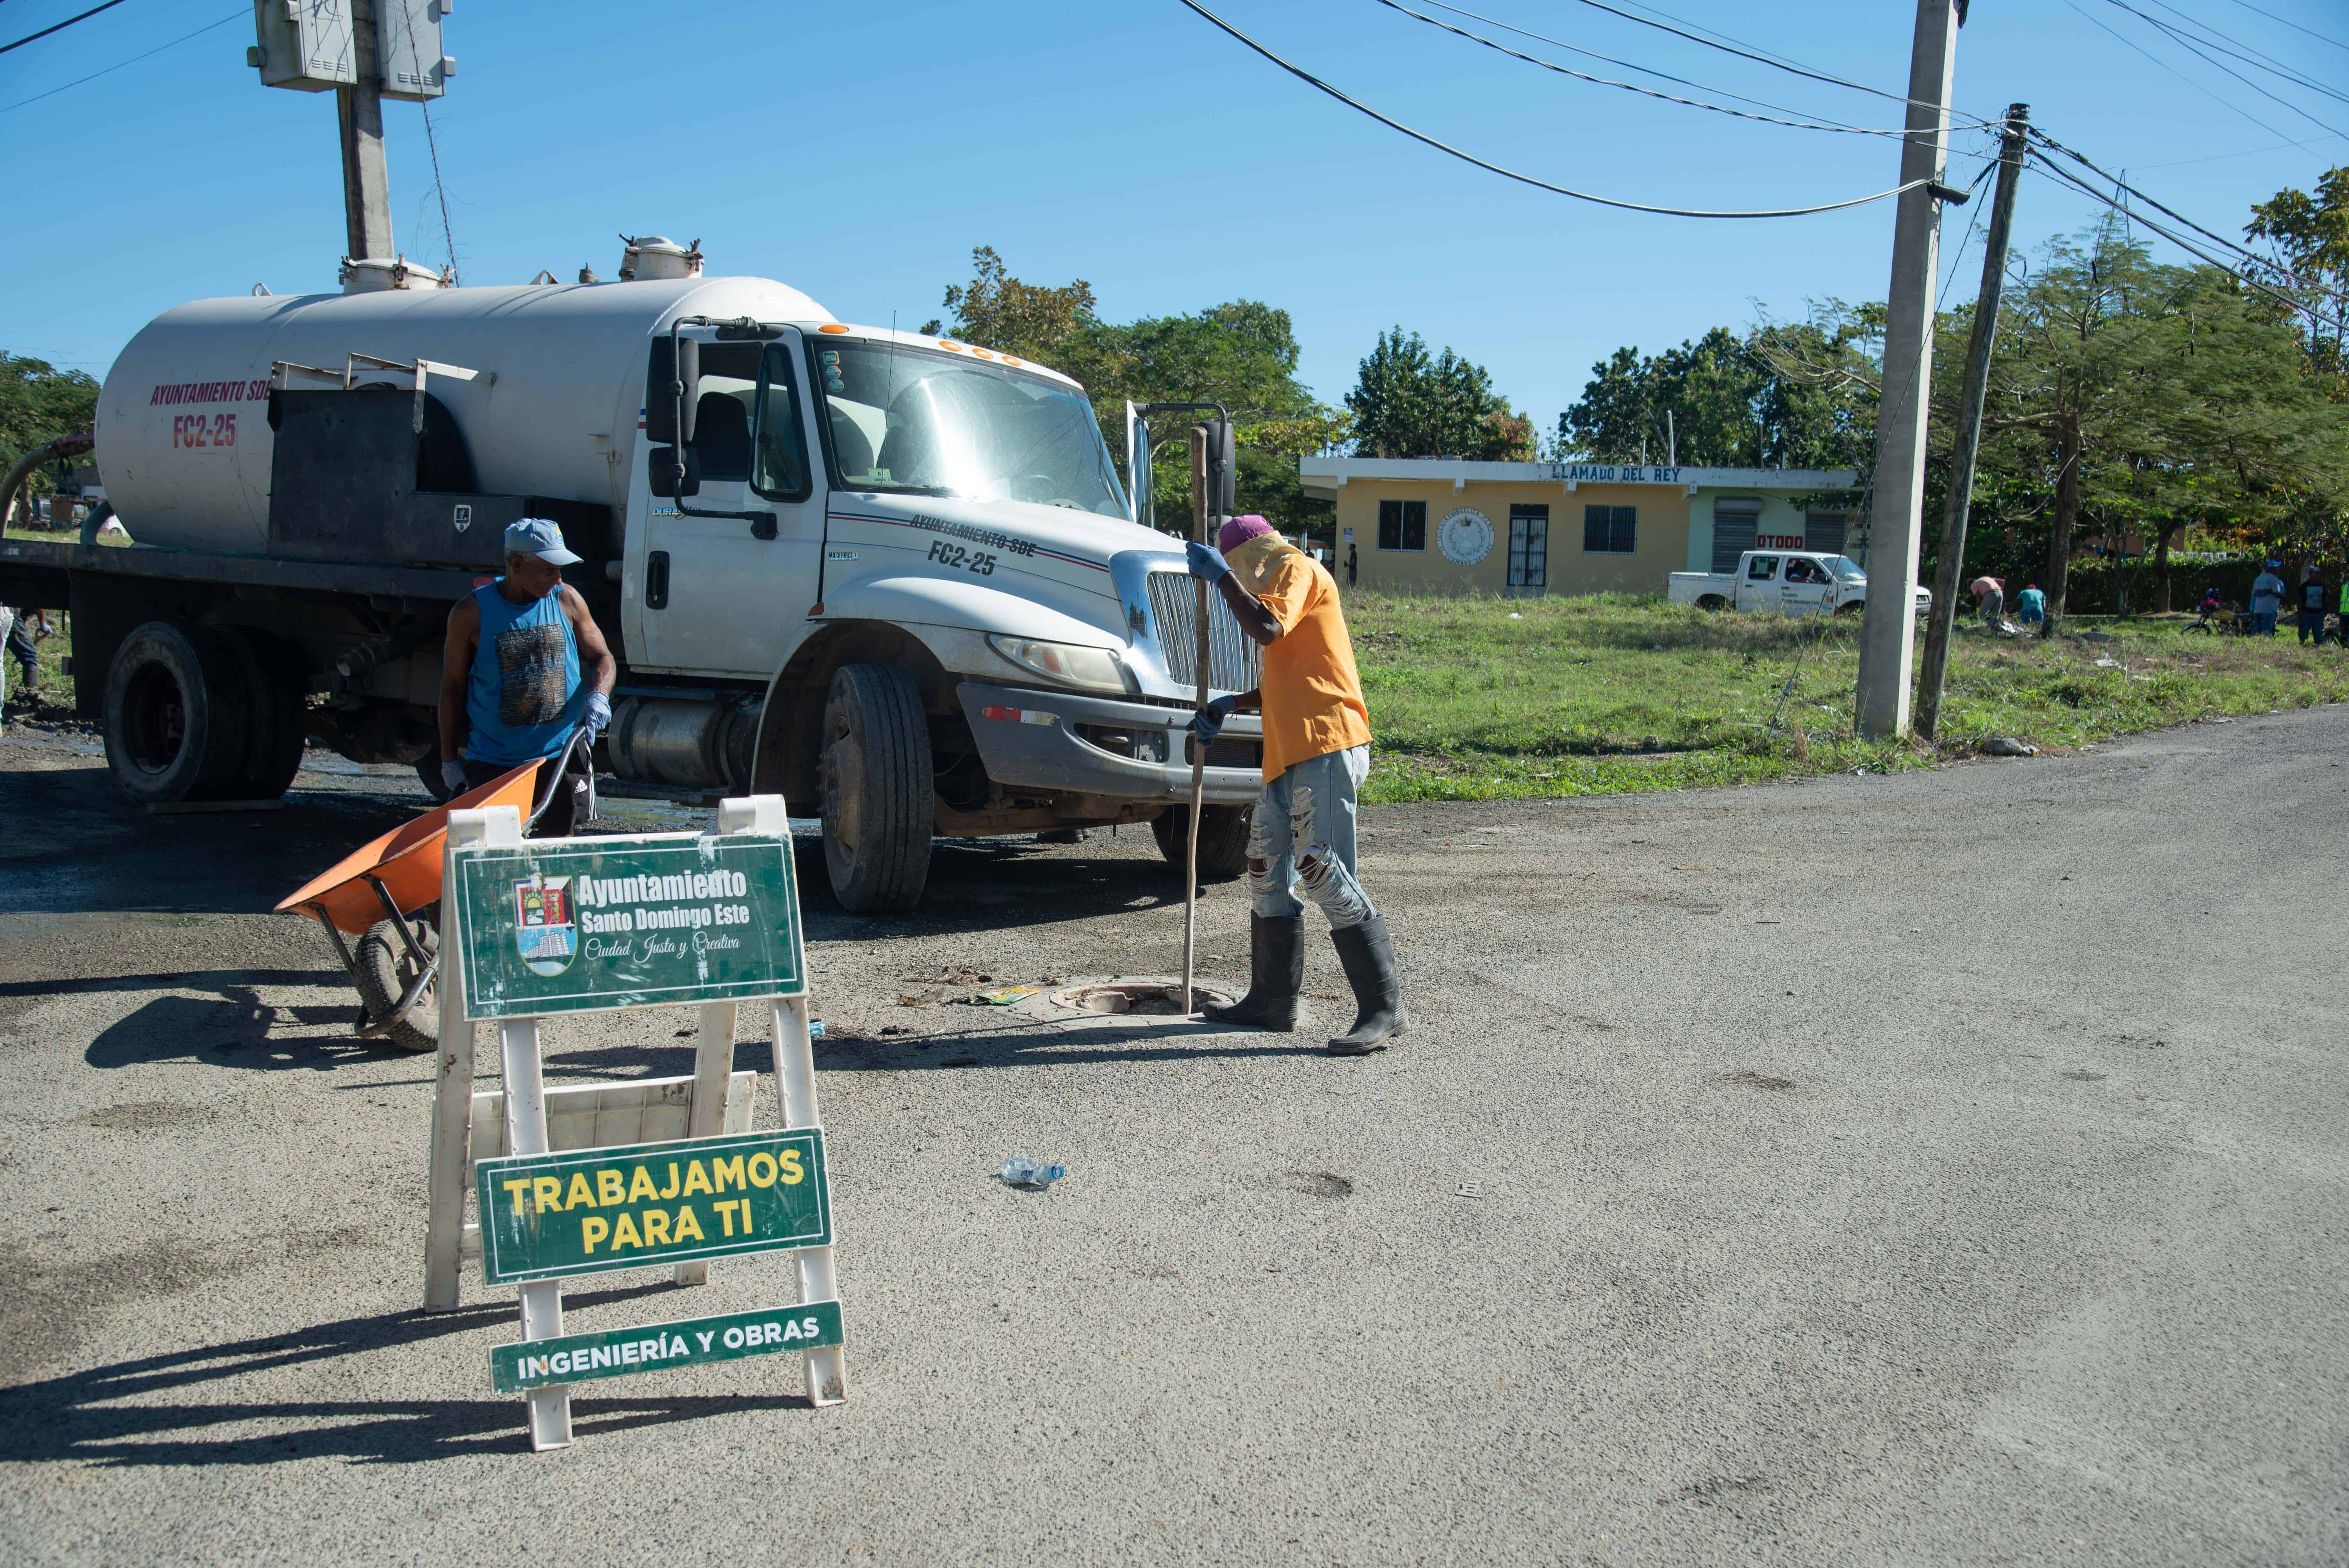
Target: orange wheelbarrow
[(387, 895)]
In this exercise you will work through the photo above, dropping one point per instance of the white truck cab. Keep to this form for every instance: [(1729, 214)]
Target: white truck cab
[(895, 578), (1787, 581)]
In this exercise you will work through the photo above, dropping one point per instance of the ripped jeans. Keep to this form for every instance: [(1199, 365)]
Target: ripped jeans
[(1311, 804)]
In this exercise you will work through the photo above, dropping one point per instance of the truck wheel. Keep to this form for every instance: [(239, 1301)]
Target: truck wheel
[(876, 793), (385, 972), (175, 717), (1223, 839), (278, 715), (1853, 608), (1713, 601)]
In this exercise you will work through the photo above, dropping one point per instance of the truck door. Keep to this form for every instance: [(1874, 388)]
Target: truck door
[(716, 596), (1806, 588), (1759, 589)]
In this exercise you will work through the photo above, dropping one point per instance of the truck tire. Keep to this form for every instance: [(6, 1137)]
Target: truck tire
[(385, 971), (277, 713), (176, 714), (1851, 607), (1713, 601), (1223, 839), (876, 796)]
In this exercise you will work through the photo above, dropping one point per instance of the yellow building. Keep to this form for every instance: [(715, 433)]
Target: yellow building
[(1444, 525)]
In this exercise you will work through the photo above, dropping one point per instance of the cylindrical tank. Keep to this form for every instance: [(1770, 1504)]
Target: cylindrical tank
[(183, 436)]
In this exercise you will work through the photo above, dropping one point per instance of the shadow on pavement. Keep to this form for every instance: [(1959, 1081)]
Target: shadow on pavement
[(96, 853), (82, 1417)]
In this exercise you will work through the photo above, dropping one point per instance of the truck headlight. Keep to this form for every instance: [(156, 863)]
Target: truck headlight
[(1090, 669)]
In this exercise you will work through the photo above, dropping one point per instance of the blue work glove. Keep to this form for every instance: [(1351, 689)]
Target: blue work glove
[(598, 717), (1205, 561), (452, 777), (1208, 722)]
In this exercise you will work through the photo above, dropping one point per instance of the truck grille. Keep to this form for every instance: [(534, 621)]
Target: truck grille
[(1232, 654)]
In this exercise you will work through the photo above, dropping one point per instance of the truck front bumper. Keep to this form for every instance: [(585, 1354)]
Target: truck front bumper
[(1105, 746)]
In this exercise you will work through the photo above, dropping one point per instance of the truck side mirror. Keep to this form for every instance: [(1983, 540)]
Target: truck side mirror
[(662, 461), (661, 410), (1223, 469)]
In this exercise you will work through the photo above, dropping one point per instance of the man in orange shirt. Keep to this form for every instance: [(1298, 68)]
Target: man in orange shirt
[(1317, 750)]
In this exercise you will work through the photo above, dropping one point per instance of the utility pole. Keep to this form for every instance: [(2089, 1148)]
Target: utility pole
[(1946, 584), (1888, 636), (366, 183)]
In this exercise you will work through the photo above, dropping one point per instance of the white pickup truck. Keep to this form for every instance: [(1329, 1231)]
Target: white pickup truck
[(1789, 582)]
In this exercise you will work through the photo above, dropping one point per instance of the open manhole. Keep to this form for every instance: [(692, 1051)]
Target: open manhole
[(1151, 999)]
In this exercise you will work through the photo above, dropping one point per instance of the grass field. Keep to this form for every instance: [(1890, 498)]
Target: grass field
[(1483, 698), (1486, 698)]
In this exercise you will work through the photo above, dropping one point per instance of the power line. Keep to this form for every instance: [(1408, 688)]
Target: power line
[(2181, 76), (2295, 27), (1311, 80), (1821, 123), (2040, 162), (1754, 53), (431, 145), (2255, 59), (133, 60), (2196, 49), (60, 27), (2218, 157), (2246, 252)]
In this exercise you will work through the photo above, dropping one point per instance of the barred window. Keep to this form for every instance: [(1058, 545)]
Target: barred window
[(1610, 529), (1402, 525)]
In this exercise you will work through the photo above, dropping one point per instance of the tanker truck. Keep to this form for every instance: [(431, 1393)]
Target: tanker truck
[(894, 577)]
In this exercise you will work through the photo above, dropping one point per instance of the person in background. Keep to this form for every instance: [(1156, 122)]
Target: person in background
[(1350, 565), (2267, 598), (2030, 605), (526, 666), (1992, 594), (2314, 598), (27, 628), (2341, 629), (1316, 751)]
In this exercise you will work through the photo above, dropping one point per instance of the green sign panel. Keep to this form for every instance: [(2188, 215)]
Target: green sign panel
[(695, 1342), (588, 925), (587, 1210)]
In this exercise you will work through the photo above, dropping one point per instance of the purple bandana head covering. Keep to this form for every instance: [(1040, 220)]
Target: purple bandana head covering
[(1239, 531)]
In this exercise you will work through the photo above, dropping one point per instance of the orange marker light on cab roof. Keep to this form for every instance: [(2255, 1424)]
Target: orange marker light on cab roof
[(982, 354), (833, 326), (1008, 360), (956, 346)]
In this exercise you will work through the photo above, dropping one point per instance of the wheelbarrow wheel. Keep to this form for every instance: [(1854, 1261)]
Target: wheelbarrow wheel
[(385, 971)]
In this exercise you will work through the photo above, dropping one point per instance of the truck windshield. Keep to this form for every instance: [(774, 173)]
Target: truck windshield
[(1846, 568), (934, 423)]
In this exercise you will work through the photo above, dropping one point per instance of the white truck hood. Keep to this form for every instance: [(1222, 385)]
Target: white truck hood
[(987, 558)]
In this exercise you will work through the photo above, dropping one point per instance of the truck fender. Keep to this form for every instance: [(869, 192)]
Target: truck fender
[(929, 626)]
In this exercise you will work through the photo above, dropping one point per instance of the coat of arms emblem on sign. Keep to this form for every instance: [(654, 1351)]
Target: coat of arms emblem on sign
[(543, 930)]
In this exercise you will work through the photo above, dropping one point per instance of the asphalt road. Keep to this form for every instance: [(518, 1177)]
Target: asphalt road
[(1938, 1168)]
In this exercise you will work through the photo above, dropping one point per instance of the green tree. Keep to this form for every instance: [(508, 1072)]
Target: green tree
[(996, 310), (1242, 354), (1798, 395), (2310, 237), (1407, 403), (39, 403)]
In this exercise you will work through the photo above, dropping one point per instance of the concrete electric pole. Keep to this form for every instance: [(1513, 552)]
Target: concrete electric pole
[(1946, 580), (363, 51), (358, 108), (1888, 636)]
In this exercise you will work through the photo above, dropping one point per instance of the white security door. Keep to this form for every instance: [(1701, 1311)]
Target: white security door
[(716, 597)]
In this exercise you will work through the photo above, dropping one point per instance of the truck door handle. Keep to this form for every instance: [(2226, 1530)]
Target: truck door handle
[(657, 580)]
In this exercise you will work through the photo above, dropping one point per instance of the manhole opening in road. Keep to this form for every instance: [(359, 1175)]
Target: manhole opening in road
[(1150, 998)]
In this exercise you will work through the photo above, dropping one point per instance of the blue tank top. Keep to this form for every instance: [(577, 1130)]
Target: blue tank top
[(524, 692)]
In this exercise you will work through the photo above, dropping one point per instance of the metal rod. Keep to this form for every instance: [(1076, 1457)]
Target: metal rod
[(1198, 751)]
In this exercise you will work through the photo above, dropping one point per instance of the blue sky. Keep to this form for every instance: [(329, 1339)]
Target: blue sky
[(859, 150)]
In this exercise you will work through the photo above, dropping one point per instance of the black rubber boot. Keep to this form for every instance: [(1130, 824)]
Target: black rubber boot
[(1276, 975), (1369, 961)]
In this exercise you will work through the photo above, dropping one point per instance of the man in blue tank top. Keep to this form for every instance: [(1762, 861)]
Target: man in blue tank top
[(525, 666)]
